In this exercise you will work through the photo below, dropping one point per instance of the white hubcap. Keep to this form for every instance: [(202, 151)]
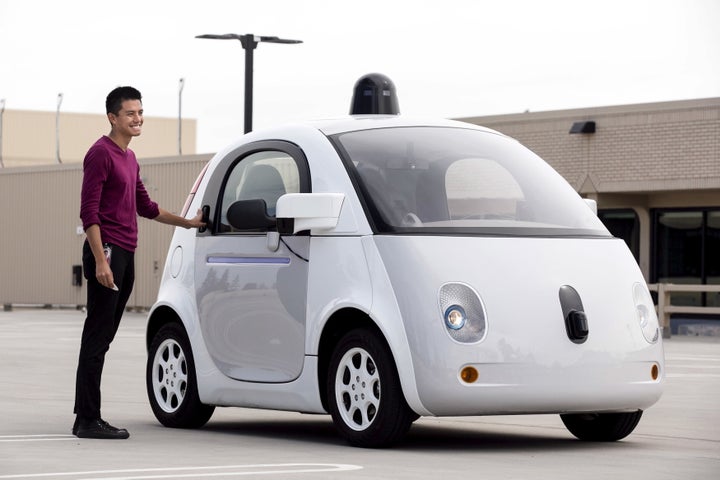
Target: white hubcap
[(170, 374), (357, 389)]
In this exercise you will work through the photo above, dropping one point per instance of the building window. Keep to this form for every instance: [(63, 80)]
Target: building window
[(686, 246), (712, 255), (623, 223)]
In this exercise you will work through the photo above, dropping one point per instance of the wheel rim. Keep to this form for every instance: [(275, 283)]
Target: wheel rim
[(170, 376), (357, 389)]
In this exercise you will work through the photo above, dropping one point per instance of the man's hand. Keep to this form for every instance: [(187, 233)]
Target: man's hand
[(196, 221), (178, 221), (103, 274)]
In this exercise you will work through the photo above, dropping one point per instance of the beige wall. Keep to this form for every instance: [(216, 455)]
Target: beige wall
[(644, 148), (42, 235), (641, 157), (28, 137), (659, 155)]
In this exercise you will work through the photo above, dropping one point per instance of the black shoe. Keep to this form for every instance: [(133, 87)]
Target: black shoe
[(76, 423), (100, 429)]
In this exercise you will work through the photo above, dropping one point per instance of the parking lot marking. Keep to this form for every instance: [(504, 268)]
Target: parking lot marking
[(50, 437), (680, 365), (206, 471), (693, 375)]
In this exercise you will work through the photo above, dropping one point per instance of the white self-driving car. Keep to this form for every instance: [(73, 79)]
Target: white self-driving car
[(380, 268)]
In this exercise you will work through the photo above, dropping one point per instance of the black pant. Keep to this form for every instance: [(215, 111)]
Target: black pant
[(105, 308)]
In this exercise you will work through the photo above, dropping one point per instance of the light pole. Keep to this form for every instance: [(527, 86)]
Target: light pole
[(249, 43), (2, 112), (57, 128), (180, 90)]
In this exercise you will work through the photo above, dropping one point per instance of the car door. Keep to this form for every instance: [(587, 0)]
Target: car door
[(251, 289)]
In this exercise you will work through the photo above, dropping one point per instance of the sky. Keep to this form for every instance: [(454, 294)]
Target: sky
[(448, 58)]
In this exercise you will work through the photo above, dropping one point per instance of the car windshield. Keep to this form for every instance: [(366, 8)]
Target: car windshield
[(461, 181)]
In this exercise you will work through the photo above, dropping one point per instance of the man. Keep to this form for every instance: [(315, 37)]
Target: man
[(111, 198)]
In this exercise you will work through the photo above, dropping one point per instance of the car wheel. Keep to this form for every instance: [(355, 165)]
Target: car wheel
[(364, 394), (171, 381), (601, 427)]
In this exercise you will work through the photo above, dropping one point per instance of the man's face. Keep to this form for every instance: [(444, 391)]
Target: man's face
[(129, 120)]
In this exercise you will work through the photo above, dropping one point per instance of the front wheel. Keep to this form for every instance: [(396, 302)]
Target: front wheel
[(364, 394), (171, 381), (601, 427)]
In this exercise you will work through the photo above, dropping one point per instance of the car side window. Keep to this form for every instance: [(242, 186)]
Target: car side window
[(263, 175)]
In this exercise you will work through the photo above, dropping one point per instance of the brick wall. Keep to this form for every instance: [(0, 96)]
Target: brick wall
[(643, 148)]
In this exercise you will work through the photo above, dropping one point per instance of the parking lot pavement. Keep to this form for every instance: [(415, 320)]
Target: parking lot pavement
[(679, 438)]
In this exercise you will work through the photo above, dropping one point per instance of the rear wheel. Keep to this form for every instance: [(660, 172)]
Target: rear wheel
[(171, 381), (364, 394), (601, 427)]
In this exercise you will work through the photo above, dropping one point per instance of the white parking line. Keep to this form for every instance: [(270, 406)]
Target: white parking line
[(688, 365), (693, 358), (207, 471), (49, 437)]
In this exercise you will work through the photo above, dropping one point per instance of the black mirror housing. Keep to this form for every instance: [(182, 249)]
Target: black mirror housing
[(250, 215)]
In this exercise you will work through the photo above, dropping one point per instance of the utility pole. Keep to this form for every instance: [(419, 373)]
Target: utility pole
[(180, 91), (57, 128), (249, 43), (2, 112)]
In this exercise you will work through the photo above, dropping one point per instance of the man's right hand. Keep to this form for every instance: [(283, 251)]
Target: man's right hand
[(104, 274)]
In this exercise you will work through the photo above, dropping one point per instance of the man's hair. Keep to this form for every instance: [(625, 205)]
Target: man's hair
[(114, 100)]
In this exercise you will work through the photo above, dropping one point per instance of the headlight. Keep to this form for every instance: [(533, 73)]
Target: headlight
[(463, 313), (455, 317), (645, 313)]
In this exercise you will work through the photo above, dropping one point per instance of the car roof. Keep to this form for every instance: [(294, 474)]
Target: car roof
[(367, 122), (350, 123)]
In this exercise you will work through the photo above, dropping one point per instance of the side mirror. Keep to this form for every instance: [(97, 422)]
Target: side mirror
[(250, 215), (592, 204), (310, 211)]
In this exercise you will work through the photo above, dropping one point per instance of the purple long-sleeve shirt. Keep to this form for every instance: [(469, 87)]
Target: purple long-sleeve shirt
[(113, 195)]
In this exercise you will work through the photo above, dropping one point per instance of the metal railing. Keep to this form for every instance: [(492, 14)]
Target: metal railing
[(665, 308)]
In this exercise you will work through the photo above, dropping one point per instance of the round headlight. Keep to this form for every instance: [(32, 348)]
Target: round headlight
[(645, 313), (455, 317), (462, 312)]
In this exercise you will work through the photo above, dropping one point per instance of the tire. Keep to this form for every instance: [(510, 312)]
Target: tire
[(364, 394), (171, 381), (601, 427)]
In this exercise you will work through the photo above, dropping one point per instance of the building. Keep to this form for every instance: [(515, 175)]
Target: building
[(654, 170), (29, 138)]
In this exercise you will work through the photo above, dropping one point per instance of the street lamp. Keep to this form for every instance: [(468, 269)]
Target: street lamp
[(249, 43), (57, 128), (180, 90), (2, 112)]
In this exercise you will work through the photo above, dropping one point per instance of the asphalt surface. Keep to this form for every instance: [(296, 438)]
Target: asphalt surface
[(678, 438)]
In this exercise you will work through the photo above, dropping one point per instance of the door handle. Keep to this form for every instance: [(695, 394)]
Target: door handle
[(205, 218)]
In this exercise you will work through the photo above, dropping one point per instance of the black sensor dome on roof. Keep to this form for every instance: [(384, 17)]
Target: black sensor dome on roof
[(374, 94)]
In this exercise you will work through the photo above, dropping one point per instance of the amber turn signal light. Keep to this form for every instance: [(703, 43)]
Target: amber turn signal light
[(469, 374)]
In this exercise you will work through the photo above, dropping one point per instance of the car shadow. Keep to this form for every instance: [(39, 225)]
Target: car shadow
[(316, 430), (421, 437), (485, 438)]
